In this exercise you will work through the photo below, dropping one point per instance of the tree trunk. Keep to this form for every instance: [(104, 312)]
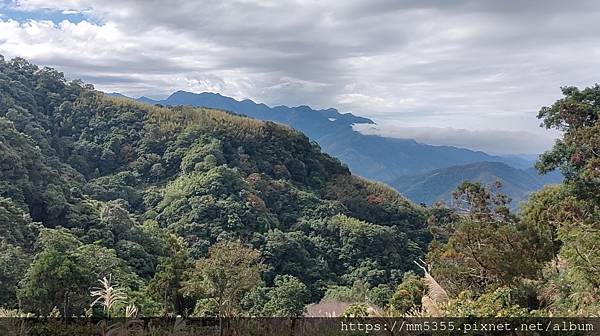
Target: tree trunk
[(65, 304)]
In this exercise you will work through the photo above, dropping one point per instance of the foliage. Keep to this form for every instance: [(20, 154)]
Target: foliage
[(408, 295), (13, 265), (16, 227), (54, 279), (489, 247), (140, 192), (570, 214), (162, 199), (167, 282), (493, 304), (356, 310), (287, 298), (229, 272), (577, 154), (543, 262)]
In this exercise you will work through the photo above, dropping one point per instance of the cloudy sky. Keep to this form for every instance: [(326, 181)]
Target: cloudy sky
[(471, 73)]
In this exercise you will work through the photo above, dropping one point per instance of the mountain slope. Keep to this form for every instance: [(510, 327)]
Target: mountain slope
[(439, 184), (370, 156), (106, 186)]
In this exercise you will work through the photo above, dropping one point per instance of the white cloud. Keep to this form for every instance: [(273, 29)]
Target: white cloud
[(492, 141)]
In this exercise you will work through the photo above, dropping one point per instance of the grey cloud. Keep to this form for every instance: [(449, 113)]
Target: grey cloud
[(476, 64)]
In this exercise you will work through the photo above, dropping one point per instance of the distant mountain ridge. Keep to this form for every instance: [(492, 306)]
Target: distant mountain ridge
[(439, 184), (287, 115), (371, 156)]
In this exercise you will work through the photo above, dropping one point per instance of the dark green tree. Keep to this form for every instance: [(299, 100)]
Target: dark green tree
[(55, 279), (166, 285), (288, 298)]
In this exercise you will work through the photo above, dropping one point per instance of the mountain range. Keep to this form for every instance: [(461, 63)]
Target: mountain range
[(439, 184), (371, 156), (424, 173)]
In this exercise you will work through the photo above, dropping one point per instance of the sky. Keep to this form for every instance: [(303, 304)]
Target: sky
[(470, 73)]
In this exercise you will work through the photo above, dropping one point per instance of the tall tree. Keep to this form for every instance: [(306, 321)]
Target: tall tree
[(230, 270), (570, 213), (288, 298), (577, 153), (168, 280), (489, 247), (55, 279)]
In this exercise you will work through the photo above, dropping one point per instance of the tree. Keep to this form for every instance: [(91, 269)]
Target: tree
[(497, 303), (356, 310), (101, 262), (167, 282), (16, 227), (577, 154), (59, 239), (570, 214), (116, 218), (489, 247), (288, 297), (230, 270), (293, 253), (380, 295), (408, 295), (54, 279), (136, 257), (362, 251), (13, 265)]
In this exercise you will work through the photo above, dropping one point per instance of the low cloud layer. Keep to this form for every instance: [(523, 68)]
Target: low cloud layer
[(467, 64), (490, 141)]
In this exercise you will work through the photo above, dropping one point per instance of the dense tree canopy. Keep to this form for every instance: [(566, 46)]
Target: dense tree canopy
[(92, 186), (199, 211)]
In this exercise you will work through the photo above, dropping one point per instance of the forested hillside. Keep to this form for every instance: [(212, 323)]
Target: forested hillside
[(93, 186), (200, 212), (371, 156)]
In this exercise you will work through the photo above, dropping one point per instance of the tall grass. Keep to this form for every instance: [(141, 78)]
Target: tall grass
[(108, 296)]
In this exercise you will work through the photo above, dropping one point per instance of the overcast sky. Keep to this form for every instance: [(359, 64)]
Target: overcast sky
[(471, 73)]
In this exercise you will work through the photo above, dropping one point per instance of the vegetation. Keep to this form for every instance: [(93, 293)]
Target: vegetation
[(189, 211), (374, 157), (545, 261), (198, 212)]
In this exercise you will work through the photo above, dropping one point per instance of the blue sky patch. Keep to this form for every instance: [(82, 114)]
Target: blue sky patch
[(7, 12)]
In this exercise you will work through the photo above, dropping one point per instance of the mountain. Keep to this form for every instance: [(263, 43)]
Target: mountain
[(439, 184), (299, 117), (370, 156), (522, 161), (98, 186)]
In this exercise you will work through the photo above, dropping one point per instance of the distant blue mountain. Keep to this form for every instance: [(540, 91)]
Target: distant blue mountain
[(438, 185), (299, 117), (523, 161), (370, 156)]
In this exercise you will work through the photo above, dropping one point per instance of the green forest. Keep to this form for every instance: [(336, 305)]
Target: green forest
[(110, 207)]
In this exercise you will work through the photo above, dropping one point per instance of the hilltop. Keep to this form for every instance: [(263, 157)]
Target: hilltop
[(373, 157)]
